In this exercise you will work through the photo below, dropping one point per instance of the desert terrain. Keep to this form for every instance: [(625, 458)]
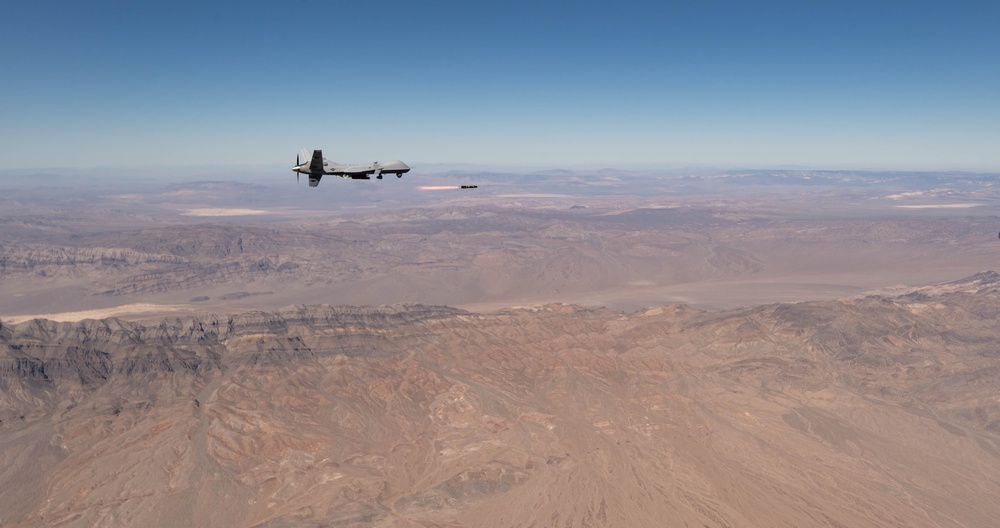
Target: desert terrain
[(880, 411), (562, 348), (602, 238)]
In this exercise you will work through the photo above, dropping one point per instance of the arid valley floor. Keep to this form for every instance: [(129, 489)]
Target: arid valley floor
[(562, 348)]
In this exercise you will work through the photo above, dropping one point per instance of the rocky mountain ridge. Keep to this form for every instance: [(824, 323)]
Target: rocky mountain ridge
[(879, 411)]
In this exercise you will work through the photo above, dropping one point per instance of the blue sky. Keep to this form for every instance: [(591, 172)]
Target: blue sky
[(874, 84)]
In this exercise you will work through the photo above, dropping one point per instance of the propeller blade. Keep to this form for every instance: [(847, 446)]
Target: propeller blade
[(297, 160)]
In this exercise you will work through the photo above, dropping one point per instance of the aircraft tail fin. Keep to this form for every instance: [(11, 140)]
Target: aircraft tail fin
[(316, 165)]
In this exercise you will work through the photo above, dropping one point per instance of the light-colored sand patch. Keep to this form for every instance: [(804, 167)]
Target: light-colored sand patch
[(533, 195), (939, 206), (223, 212), (72, 317), (910, 194)]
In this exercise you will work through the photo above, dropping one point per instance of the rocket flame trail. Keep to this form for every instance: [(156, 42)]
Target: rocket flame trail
[(437, 187)]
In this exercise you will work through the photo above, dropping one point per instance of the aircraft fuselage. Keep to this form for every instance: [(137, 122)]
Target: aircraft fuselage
[(318, 167)]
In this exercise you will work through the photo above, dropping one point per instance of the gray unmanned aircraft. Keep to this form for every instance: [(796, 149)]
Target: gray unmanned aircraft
[(317, 167)]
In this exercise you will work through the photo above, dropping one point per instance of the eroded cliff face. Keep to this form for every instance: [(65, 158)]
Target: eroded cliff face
[(873, 412)]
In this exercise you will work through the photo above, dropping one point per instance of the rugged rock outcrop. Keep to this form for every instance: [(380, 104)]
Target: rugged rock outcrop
[(879, 411)]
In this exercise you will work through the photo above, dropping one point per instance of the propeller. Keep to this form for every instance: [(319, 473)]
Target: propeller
[(297, 173)]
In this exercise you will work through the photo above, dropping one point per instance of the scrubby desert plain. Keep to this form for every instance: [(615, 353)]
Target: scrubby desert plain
[(561, 348)]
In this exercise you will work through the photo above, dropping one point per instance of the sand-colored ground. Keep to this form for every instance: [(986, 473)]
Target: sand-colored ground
[(224, 212), (127, 311), (875, 412)]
